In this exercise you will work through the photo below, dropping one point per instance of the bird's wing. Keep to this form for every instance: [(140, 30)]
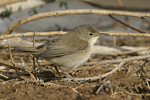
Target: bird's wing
[(56, 48)]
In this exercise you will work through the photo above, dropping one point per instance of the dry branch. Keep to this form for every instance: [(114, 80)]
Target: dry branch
[(132, 93), (61, 33), (12, 60), (3, 76), (50, 84), (114, 70), (128, 34), (145, 20), (100, 76), (72, 12), (16, 42), (10, 65), (113, 61), (17, 67), (99, 89), (122, 50), (108, 62), (33, 58), (32, 34), (126, 24)]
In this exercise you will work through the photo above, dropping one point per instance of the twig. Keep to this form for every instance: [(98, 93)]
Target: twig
[(114, 41), (147, 84), (5, 77), (99, 89), (126, 24), (100, 76), (41, 63), (135, 51), (12, 60), (145, 20), (72, 12), (32, 34), (125, 28), (79, 86), (108, 62), (114, 70), (10, 65), (132, 93), (34, 39), (127, 21), (31, 75), (46, 63), (119, 60), (33, 55), (48, 84), (61, 33), (128, 34)]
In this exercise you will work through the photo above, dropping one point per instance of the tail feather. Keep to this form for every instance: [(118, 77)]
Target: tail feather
[(31, 50)]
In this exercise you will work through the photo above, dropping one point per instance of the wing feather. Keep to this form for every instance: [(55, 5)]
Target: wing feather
[(59, 47)]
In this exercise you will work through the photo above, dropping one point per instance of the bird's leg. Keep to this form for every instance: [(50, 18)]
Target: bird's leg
[(57, 71), (40, 68), (67, 75)]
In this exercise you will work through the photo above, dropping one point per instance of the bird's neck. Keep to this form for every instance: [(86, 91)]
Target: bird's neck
[(93, 41)]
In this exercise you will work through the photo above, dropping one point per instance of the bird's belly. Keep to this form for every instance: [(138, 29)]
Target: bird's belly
[(72, 61)]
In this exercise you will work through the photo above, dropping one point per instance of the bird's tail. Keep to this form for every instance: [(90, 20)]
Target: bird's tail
[(30, 50)]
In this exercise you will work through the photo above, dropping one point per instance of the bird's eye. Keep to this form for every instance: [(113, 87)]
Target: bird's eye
[(90, 34)]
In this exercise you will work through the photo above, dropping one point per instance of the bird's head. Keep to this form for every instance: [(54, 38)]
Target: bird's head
[(88, 33)]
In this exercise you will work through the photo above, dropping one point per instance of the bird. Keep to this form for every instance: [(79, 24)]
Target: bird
[(70, 50)]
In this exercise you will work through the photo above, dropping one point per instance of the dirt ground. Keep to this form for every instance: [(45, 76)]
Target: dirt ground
[(130, 82)]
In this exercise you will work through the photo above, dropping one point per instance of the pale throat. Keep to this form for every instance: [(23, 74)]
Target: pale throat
[(93, 40)]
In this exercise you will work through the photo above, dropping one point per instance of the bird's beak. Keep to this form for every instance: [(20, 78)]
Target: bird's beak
[(102, 34)]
